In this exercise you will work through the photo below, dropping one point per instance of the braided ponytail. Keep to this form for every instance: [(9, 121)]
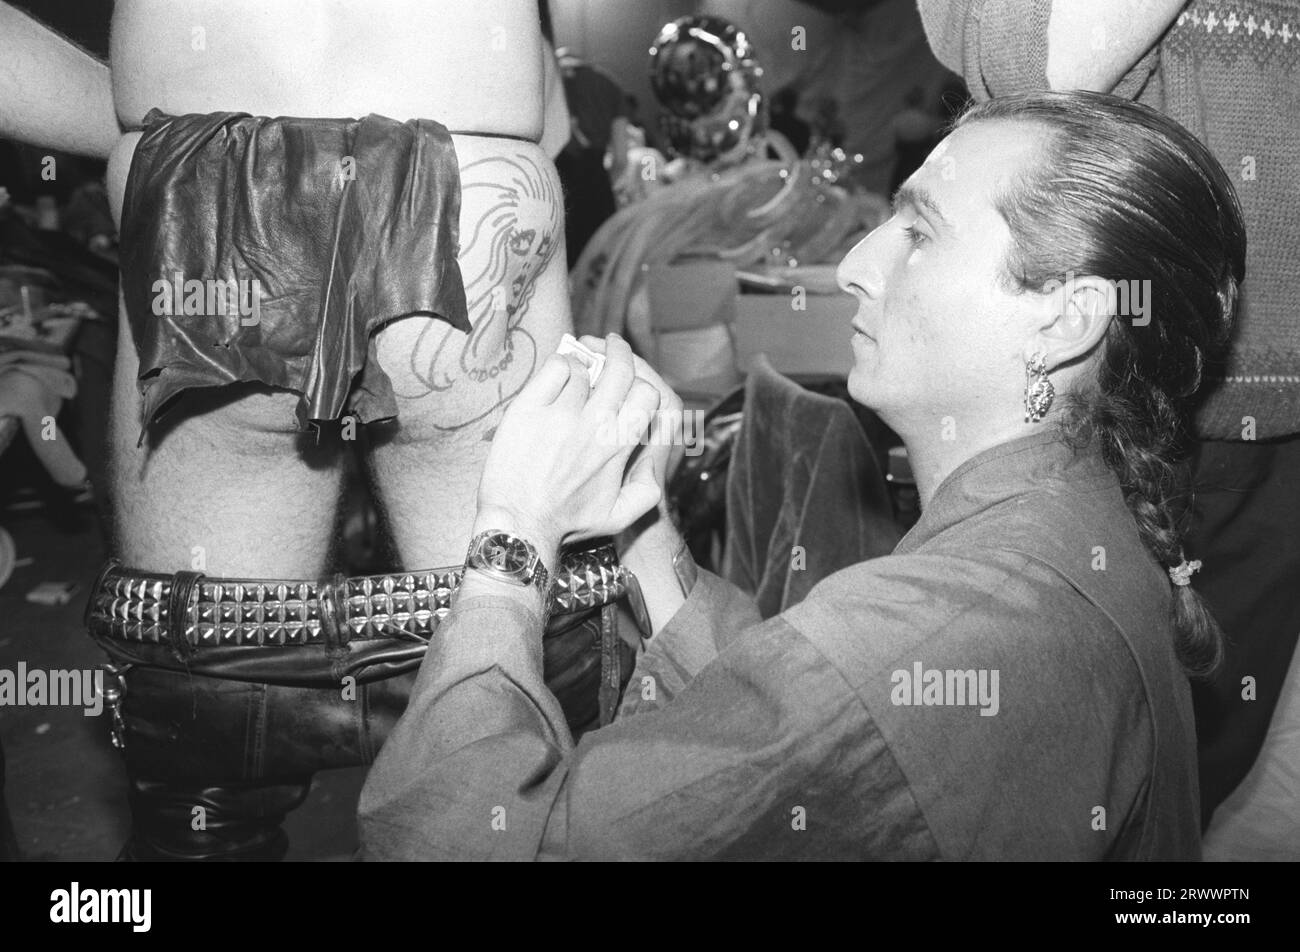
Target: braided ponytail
[(1129, 195), (1142, 440)]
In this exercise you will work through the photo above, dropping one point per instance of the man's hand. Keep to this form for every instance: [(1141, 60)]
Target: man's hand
[(666, 446), (649, 545), (558, 468)]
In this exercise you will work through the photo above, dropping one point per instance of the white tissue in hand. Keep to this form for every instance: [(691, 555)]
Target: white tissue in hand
[(593, 361)]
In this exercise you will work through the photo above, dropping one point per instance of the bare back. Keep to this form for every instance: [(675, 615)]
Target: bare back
[(473, 65), (231, 476)]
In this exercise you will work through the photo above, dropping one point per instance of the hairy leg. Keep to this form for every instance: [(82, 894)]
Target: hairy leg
[(452, 387), (230, 487)]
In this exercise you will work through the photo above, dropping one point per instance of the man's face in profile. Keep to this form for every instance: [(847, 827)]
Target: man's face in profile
[(939, 332)]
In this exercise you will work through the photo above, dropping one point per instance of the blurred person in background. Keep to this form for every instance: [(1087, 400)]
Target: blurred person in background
[(595, 156)]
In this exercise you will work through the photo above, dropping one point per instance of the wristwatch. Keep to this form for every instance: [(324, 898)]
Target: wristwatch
[(510, 559)]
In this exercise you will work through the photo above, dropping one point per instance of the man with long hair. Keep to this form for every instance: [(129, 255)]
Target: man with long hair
[(1229, 74), (1009, 683)]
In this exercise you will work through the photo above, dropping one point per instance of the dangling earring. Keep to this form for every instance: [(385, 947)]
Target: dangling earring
[(1039, 391)]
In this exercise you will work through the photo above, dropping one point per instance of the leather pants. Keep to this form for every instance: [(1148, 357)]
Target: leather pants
[(215, 764)]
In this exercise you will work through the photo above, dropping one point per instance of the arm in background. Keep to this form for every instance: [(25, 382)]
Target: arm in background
[(53, 93), (1006, 47)]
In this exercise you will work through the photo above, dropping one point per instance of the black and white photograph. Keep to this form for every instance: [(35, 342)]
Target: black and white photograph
[(650, 430)]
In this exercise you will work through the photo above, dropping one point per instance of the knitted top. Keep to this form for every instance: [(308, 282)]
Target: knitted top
[(1228, 70)]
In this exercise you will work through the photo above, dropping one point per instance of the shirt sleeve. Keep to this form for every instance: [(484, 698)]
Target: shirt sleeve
[(714, 614), (751, 744)]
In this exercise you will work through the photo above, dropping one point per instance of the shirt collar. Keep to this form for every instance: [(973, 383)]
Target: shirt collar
[(1036, 463)]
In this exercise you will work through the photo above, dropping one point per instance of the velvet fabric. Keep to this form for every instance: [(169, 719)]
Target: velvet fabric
[(805, 495)]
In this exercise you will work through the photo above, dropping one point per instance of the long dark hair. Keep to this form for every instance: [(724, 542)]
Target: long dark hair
[(1127, 194)]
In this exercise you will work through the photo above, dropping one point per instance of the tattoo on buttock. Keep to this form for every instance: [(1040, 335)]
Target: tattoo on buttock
[(501, 256)]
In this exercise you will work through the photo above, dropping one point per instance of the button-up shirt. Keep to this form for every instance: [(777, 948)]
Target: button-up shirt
[(1003, 686)]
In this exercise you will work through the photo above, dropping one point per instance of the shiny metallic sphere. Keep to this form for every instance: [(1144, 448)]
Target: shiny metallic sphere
[(703, 71)]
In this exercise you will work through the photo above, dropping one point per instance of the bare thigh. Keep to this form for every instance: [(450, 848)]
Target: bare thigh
[(230, 487), (452, 387)]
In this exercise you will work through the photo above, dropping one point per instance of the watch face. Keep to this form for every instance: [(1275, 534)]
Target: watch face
[(506, 553)]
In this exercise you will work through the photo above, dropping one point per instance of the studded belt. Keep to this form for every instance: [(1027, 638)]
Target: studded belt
[(200, 611)]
